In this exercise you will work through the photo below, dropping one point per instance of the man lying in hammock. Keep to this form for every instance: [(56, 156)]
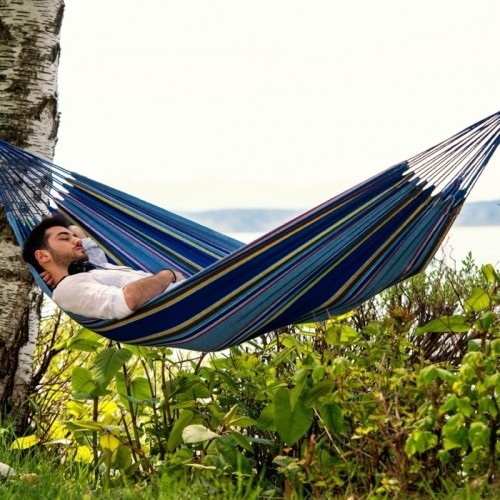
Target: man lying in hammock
[(91, 289)]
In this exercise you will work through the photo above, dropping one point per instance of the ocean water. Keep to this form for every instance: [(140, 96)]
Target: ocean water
[(482, 241)]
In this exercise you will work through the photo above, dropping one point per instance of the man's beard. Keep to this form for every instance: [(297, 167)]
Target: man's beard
[(64, 259)]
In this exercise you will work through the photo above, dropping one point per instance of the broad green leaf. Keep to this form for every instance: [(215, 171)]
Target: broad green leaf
[(267, 419), (109, 442), (478, 301), (25, 442), (283, 355), (85, 425), (428, 374), (444, 324), (137, 391), (454, 433), (299, 378), (489, 273), (175, 438), (348, 334), (464, 406), (108, 362), (332, 334), (420, 441), (485, 321), (479, 435), (333, 417), (85, 340), (319, 390), (290, 424), (230, 415), (242, 441), (243, 421), (445, 375), (191, 389), (123, 457), (140, 389), (449, 404), (82, 380), (318, 374), (197, 434)]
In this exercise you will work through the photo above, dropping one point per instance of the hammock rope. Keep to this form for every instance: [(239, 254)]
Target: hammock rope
[(321, 263)]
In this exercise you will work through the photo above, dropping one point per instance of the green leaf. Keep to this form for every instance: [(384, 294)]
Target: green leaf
[(428, 374), (479, 435), (464, 406), (123, 457), (230, 415), (333, 417), (242, 441), (192, 389), (420, 441), (449, 404), (82, 380), (299, 378), (85, 340), (445, 375), (485, 321), (444, 324), (489, 273), (319, 390), (243, 421), (175, 438), (478, 301), (348, 335), (455, 433), (85, 425), (140, 389), (197, 434), (25, 442), (108, 362), (266, 418), (290, 424)]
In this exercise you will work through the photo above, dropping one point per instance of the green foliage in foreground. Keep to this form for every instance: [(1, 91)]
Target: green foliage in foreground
[(397, 399)]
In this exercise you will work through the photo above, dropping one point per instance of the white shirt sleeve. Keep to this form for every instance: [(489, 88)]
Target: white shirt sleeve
[(92, 300), (94, 251)]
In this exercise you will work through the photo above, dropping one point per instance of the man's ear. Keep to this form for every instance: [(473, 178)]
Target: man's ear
[(42, 256)]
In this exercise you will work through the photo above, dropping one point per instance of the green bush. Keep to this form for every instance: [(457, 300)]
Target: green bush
[(398, 398)]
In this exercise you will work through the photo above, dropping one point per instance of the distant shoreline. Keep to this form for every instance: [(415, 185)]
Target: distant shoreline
[(258, 220)]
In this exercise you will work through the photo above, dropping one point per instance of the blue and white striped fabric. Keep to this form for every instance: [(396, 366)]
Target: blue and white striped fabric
[(325, 262)]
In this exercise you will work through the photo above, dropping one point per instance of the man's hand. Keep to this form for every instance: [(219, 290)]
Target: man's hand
[(78, 232), (47, 277)]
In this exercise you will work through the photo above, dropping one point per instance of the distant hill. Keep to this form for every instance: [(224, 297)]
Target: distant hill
[(260, 220), (243, 220), (480, 213)]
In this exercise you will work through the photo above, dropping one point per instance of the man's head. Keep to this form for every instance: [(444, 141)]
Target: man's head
[(52, 244)]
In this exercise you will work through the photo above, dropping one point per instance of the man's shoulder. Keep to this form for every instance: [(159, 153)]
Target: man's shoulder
[(71, 279)]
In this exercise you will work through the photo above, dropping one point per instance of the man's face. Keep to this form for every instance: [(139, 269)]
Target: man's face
[(64, 247)]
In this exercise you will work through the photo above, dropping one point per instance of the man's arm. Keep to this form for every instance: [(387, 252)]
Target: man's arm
[(139, 292)]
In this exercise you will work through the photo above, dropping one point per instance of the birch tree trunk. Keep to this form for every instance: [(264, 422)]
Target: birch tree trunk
[(29, 57)]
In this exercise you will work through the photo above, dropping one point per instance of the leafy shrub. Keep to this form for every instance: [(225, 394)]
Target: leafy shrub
[(398, 397)]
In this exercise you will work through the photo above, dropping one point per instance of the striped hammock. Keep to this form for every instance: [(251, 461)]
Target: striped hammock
[(322, 263)]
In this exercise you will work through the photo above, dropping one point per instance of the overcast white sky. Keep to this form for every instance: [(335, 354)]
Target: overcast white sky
[(193, 104)]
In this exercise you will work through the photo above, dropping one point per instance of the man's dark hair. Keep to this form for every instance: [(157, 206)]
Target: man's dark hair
[(37, 239)]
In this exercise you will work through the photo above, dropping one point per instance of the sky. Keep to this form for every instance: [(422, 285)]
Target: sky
[(203, 104)]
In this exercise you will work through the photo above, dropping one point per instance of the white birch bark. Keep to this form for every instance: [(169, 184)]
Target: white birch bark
[(29, 57)]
